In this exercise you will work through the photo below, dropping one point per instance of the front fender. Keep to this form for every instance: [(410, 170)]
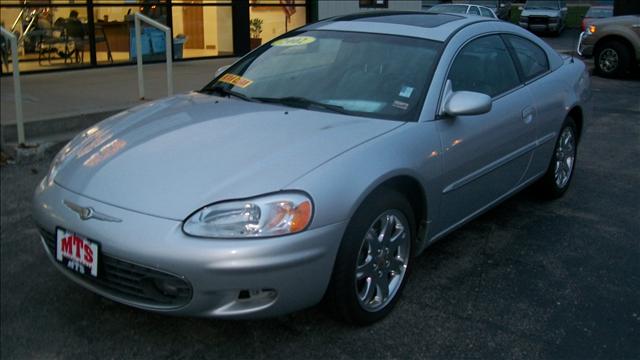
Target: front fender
[(340, 186)]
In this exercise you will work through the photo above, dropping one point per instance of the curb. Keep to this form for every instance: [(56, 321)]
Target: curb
[(44, 136), (36, 130)]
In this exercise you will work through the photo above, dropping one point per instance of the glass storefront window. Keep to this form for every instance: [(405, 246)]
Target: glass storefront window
[(56, 34), (268, 22), (115, 33), (50, 37), (200, 31)]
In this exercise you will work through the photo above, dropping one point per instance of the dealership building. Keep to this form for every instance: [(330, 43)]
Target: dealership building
[(76, 34)]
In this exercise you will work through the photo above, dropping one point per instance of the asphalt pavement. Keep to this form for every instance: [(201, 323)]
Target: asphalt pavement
[(530, 279)]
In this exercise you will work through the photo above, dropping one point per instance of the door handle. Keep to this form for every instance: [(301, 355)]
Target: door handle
[(528, 114)]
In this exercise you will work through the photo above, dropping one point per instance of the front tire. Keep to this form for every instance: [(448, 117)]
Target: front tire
[(612, 59), (557, 179), (373, 262)]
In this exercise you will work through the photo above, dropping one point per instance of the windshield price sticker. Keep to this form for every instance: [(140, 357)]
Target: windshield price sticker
[(294, 41), (236, 80)]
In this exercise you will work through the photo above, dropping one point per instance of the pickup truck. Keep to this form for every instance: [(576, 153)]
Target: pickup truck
[(614, 43)]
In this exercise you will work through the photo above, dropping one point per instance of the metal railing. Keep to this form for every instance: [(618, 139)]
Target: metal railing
[(17, 91), (168, 54)]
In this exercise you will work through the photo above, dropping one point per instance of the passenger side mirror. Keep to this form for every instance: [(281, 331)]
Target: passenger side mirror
[(564, 9), (467, 103), (221, 70), (520, 8)]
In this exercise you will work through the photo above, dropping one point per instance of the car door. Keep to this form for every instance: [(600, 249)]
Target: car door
[(484, 156), (534, 66)]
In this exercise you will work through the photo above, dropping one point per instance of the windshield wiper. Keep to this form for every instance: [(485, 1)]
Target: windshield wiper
[(302, 102), (226, 92)]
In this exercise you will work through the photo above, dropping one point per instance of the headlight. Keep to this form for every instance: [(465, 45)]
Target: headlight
[(55, 164), (271, 215), (591, 29)]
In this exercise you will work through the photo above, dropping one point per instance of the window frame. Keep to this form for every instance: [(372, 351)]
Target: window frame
[(459, 50), (516, 60), (474, 7)]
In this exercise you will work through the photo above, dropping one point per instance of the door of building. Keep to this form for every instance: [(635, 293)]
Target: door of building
[(193, 25)]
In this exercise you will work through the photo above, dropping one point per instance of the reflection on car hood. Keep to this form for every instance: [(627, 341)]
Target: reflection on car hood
[(169, 158), (541, 12)]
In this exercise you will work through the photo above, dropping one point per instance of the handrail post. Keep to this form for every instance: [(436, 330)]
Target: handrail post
[(17, 91), (139, 57), (168, 52)]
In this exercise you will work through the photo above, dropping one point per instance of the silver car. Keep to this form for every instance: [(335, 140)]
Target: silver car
[(315, 167)]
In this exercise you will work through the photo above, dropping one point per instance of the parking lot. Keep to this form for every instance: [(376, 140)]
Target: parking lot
[(529, 279)]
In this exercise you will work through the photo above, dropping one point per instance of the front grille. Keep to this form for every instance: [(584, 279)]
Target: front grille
[(538, 20), (132, 282)]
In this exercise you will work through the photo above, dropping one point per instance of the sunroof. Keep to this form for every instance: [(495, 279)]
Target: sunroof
[(419, 19)]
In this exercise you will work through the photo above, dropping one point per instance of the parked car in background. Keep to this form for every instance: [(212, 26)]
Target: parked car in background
[(502, 8), (596, 12), (614, 43), (544, 16), (463, 9), (318, 166)]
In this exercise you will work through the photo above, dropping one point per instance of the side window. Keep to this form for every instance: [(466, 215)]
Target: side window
[(533, 60), (486, 12), (484, 65), (473, 10)]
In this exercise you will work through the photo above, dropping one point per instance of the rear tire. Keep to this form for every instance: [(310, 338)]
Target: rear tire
[(612, 59), (557, 179), (365, 265)]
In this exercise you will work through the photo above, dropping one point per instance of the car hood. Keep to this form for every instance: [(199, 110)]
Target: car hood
[(541, 12), (170, 157), (628, 20)]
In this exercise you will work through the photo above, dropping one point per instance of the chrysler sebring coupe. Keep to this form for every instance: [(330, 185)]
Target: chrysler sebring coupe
[(315, 168)]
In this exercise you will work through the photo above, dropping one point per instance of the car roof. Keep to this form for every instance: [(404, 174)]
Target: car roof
[(420, 24)]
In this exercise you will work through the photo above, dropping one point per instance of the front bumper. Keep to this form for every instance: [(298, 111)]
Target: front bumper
[(585, 48), (541, 26), (228, 278)]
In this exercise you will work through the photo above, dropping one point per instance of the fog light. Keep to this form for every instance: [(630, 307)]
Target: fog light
[(166, 287), (254, 294)]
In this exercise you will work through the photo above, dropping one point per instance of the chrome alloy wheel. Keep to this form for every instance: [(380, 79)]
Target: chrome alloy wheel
[(565, 157), (608, 60), (382, 260)]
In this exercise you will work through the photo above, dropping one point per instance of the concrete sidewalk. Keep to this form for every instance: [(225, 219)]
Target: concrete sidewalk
[(65, 102)]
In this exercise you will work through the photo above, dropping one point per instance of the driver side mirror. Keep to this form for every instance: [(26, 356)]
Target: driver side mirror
[(565, 9), (467, 103), (221, 70), (520, 8)]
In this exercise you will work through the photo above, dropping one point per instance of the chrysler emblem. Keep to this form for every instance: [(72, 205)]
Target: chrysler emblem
[(87, 213)]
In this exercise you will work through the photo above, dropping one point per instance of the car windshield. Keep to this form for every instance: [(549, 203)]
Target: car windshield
[(360, 74), (542, 4), (455, 9)]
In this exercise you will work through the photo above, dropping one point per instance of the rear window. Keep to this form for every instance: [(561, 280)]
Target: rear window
[(532, 59)]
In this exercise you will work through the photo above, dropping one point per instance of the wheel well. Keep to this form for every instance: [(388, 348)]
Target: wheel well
[(413, 192), (618, 38), (576, 115)]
